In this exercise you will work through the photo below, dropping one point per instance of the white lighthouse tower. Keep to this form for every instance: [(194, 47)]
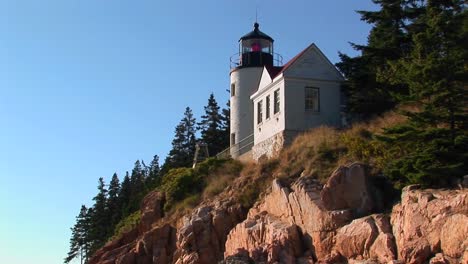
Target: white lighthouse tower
[(255, 53)]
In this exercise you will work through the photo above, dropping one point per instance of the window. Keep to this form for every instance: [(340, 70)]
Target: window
[(233, 89), (259, 112), (312, 99), (233, 139), (276, 98), (267, 110)]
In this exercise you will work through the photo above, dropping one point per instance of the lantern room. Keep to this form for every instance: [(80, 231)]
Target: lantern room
[(256, 49)]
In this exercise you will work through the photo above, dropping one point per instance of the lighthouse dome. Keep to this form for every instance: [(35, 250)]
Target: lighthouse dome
[(256, 34)]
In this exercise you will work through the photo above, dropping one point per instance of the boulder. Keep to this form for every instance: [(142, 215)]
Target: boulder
[(427, 222), (202, 235), (348, 188), (151, 210), (319, 211), (439, 258), (454, 236), (367, 238), (265, 239)]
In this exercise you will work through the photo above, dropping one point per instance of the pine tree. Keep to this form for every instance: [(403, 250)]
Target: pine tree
[(433, 143), (79, 242), (210, 127), (368, 89), (137, 189), (113, 203), (154, 177), (100, 218), (183, 144), (125, 195)]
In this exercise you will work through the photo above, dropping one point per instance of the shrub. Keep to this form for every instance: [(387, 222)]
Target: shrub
[(184, 183), (188, 203), (126, 224), (178, 184)]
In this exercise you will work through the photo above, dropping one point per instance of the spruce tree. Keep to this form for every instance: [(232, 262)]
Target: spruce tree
[(100, 218), (432, 144), (210, 127), (183, 144), (125, 195), (154, 177), (367, 86), (79, 239), (137, 180), (113, 203)]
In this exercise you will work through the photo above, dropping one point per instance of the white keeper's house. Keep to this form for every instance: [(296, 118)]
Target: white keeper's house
[(272, 103)]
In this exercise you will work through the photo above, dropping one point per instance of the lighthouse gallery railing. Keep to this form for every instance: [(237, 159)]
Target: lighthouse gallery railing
[(238, 149)]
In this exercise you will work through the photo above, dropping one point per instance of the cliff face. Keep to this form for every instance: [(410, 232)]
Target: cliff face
[(303, 222)]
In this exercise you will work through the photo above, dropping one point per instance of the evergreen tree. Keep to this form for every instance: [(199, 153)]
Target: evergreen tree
[(137, 180), (78, 241), (113, 203), (154, 177), (432, 144), (210, 127), (183, 144), (125, 195), (368, 89), (100, 218)]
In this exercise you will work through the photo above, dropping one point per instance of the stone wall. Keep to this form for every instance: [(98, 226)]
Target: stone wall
[(272, 146)]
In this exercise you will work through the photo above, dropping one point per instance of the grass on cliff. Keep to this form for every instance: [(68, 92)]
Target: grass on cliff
[(186, 187), (126, 224), (319, 151)]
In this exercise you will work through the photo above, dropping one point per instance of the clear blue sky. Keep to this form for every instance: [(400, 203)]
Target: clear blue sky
[(88, 86)]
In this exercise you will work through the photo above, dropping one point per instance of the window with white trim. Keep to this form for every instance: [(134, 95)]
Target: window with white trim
[(312, 99), (276, 103), (267, 106), (259, 112)]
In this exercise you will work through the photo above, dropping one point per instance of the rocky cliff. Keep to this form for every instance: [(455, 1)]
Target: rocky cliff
[(303, 222)]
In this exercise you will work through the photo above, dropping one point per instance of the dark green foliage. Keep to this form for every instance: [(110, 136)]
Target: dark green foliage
[(124, 195), (368, 90), (137, 183), (178, 184), (99, 218), (416, 55), (114, 203), (209, 165), (211, 127), (424, 156), (183, 144), (154, 174), (79, 241), (126, 224), (431, 148)]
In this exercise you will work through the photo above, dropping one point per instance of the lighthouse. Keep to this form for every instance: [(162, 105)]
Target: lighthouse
[(255, 53), (272, 103)]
